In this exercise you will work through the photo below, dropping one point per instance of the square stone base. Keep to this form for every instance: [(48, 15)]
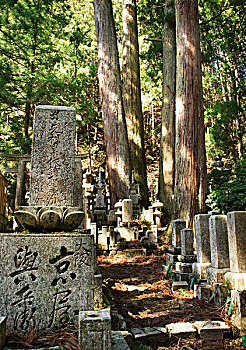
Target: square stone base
[(46, 279), (237, 280), (238, 317), (200, 270), (95, 330), (216, 275)]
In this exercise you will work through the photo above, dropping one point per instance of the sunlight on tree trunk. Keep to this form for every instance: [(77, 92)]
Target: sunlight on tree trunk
[(167, 147), (115, 133), (190, 167), (132, 96)]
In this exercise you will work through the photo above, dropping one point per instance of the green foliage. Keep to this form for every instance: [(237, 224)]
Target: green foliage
[(47, 57), (228, 190), (140, 346)]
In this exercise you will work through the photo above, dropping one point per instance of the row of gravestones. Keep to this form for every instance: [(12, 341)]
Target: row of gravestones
[(220, 263)]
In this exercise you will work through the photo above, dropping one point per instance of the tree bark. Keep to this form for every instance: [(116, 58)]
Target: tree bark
[(115, 132), (190, 157), (167, 147), (132, 96)]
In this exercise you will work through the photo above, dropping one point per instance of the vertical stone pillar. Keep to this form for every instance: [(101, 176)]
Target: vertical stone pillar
[(177, 226), (236, 222), (187, 242), (219, 242), (52, 165), (202, 236), (126, 210), (219, 248), (19, 194), (95, 330)]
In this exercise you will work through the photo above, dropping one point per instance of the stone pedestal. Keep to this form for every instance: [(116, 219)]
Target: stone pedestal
[(238, 317), (46, 279), (236, 280), (95, 330)]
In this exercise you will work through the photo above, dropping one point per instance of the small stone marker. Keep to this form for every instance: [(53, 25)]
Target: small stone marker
[(179, 285), (187, 241), (2, 331), (95, 330), (118, 341), (126, 210), (236, 222), (211, 330), (181, 330), (177, 226)]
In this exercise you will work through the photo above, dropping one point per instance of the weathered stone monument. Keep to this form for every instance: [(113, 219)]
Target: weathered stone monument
[(52, 190), (47, 279), (202, 245), (220, 263)]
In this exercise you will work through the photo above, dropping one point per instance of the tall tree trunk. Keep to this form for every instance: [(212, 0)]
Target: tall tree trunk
[(115, 132), (132, 96), (167, 147), (190, 157)]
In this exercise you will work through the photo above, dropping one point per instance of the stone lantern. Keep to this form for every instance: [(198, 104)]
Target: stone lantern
[(157, 212)]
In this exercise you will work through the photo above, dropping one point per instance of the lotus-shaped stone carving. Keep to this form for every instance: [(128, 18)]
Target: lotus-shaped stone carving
[(49, 219)]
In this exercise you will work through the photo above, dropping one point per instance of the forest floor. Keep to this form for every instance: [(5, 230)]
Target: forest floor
[(137, 288)]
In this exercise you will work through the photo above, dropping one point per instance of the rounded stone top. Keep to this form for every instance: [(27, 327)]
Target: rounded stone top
[(157, 204), (118, 205), (61, 108)]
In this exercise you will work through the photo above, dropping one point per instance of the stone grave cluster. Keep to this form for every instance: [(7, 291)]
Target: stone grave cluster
[(217, 269), (120, 224)]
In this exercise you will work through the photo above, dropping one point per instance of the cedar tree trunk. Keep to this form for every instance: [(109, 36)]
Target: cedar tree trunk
[(132, 96), (167, 147), (190, 157), (115, 133)]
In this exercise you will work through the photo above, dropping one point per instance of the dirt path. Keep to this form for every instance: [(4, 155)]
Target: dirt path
[(137, 288)]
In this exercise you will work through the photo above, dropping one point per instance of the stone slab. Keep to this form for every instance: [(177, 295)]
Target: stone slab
[(118, 341), (236, 222), (179, 285), (211, 330), (181, 330), (216, 275), (186, 268), (177, 226), (200, 269), (237, 280), (202, 238), (187, 242), (95, 330), (53, 161), (220, 293), (219, 242), (174, 250), (203, 291), (187, 258), (138, 333), (45, 279), (156, 335), (2, 331)]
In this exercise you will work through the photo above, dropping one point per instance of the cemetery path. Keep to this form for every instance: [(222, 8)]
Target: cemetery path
[(137, 289)]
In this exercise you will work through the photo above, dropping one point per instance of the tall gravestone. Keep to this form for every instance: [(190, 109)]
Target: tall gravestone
[(46, 280), (52, 188), (202, 235)]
